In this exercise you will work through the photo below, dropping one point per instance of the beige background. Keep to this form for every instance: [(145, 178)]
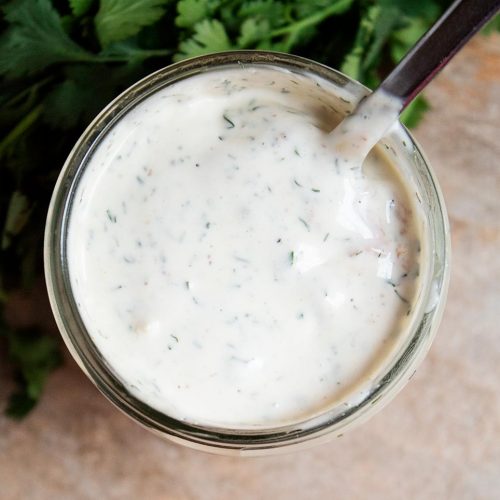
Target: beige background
[(440, 438)]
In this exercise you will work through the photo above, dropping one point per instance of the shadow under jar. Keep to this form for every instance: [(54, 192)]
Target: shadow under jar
[(221, 278)]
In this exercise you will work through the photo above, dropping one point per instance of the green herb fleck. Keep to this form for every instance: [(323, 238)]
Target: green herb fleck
[(111, 217), (306, 225), (406, 301), (241, 259), (230, 123)]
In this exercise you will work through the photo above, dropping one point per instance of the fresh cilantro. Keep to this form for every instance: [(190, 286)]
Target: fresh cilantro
[(312, 7), (80, 7), (386, 21), (191, 12), (272, 11), (129, 52), (66, 95), (85, 94), (253, 30), (209, 36), (120, 19), (35, 39), (353, 60)]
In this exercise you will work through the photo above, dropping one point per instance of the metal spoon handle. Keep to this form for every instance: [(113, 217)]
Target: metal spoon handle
[(433, 51)]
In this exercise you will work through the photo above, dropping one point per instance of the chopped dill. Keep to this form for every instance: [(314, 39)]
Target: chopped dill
[(111, 217), (230, 123), (306, 225), (401, 297)]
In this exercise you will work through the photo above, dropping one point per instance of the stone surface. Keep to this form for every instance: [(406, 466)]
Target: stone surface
[(440, 438)]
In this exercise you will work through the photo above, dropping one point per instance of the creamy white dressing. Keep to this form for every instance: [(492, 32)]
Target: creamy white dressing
[(359, 132), (231, 267)]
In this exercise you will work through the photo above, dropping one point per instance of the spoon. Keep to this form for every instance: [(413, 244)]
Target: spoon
[(356, 135)]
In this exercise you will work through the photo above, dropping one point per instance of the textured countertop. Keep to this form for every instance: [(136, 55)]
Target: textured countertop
[(440, 438)]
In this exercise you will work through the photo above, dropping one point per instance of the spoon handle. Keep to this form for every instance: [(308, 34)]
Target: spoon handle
[(436, 47)]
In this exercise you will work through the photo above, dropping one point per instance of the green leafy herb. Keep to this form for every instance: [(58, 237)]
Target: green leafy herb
[(63, 61), (229, 123), (35, 356), (120, 19), (191, 12), (80, 7), (253, 31), (305, 224), (209, 36), (35, 39)]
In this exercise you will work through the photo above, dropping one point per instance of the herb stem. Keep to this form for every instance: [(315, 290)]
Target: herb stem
[(30, 92), (21, 127), (313, 19), (137, 54)]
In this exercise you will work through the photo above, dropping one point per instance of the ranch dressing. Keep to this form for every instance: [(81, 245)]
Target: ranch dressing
[(232, 269), (360, 131)]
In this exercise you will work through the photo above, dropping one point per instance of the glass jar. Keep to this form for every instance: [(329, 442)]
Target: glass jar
[(334, 421)]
